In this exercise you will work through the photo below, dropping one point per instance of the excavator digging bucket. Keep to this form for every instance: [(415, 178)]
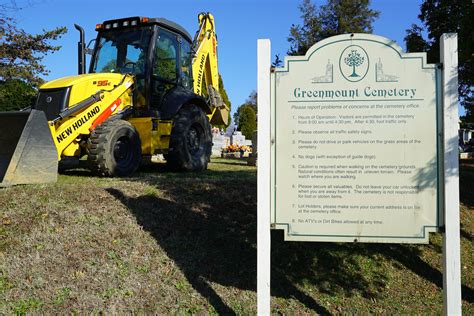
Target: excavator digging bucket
[(221, 116), (27, 151)]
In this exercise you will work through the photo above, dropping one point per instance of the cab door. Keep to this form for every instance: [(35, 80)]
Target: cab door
[(165, 72)]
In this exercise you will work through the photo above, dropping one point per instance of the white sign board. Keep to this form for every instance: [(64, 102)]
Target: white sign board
[(355, 151)]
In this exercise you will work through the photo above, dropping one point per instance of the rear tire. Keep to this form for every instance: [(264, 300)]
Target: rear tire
[(114, 149), (191, 140)]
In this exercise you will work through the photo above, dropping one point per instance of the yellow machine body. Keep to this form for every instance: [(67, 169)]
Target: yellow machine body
[(67, 133), (153, 141)]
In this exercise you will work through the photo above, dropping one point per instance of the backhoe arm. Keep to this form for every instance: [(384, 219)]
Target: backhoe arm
[(205, 68)]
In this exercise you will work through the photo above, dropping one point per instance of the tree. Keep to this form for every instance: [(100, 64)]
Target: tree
[(414, 40), (251, 101), (224, 96), (445, 16), (333, 18), (304, 36), (15, 95), (247, 121), (277, 62), (21, 54)]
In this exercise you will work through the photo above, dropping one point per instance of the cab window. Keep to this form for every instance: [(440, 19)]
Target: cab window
[(166, 56), (186, 56), (165, 67)]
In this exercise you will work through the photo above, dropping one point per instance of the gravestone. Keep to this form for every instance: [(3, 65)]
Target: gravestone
[(237, 138), (253, 158), (219, 141)]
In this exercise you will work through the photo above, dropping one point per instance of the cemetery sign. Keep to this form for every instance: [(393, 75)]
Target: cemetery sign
[(355, 151)]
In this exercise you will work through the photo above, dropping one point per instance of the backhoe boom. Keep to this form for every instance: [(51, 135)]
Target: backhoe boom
[(205, 68)]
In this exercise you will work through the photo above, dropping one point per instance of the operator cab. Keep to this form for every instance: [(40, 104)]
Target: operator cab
[(157, 51)]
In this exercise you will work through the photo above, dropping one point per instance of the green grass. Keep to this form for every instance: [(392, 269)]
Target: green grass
[(185, 243)]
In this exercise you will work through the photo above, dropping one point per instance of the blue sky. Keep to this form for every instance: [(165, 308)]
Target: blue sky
[(238, 24)]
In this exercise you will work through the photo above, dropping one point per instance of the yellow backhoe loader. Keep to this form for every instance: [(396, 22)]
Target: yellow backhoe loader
[(151, 89)]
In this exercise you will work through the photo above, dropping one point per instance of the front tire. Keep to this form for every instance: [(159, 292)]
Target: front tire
[(191, 140), (114, 149)]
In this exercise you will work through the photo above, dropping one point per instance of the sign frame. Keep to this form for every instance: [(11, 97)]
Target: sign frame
[(448, 183), (355, 40)]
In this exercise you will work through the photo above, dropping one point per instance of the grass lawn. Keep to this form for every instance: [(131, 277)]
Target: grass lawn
[(185, 243)]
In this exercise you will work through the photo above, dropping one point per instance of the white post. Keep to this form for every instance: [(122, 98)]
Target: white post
[(451, 240), (263, 176)]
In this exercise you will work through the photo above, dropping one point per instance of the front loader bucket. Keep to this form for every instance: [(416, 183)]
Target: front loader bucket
[(27, 150)]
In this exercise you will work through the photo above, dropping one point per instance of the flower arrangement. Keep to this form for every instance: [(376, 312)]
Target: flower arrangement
[(235, 148)]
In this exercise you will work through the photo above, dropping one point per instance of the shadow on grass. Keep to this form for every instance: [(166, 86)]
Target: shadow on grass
[(152, 172), (409, 258), (465, 234), (209, 241), (466, 178), (208, 228), (233, 162)]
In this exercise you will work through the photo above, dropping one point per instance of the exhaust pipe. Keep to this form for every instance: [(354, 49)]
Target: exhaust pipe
[(81, 51)]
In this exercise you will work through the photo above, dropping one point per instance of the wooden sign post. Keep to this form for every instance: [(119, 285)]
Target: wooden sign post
[(357, 142), (263, 181), (451, 236)]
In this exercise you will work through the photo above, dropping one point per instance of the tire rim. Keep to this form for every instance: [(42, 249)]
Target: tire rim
[(194, 139), (123, 151)]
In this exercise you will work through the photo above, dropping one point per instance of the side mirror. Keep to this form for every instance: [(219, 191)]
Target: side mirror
[(90, 51)]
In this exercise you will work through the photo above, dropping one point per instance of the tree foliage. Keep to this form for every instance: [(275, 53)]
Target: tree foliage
[(21, 54), (333, 18), (16, 95), (446, 16), (247, 121), (224, 95), (414, 40), (277, 62), (251, 102)]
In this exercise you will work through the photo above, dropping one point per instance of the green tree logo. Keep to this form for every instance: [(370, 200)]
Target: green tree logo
[(354, 59), (354, 63)]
